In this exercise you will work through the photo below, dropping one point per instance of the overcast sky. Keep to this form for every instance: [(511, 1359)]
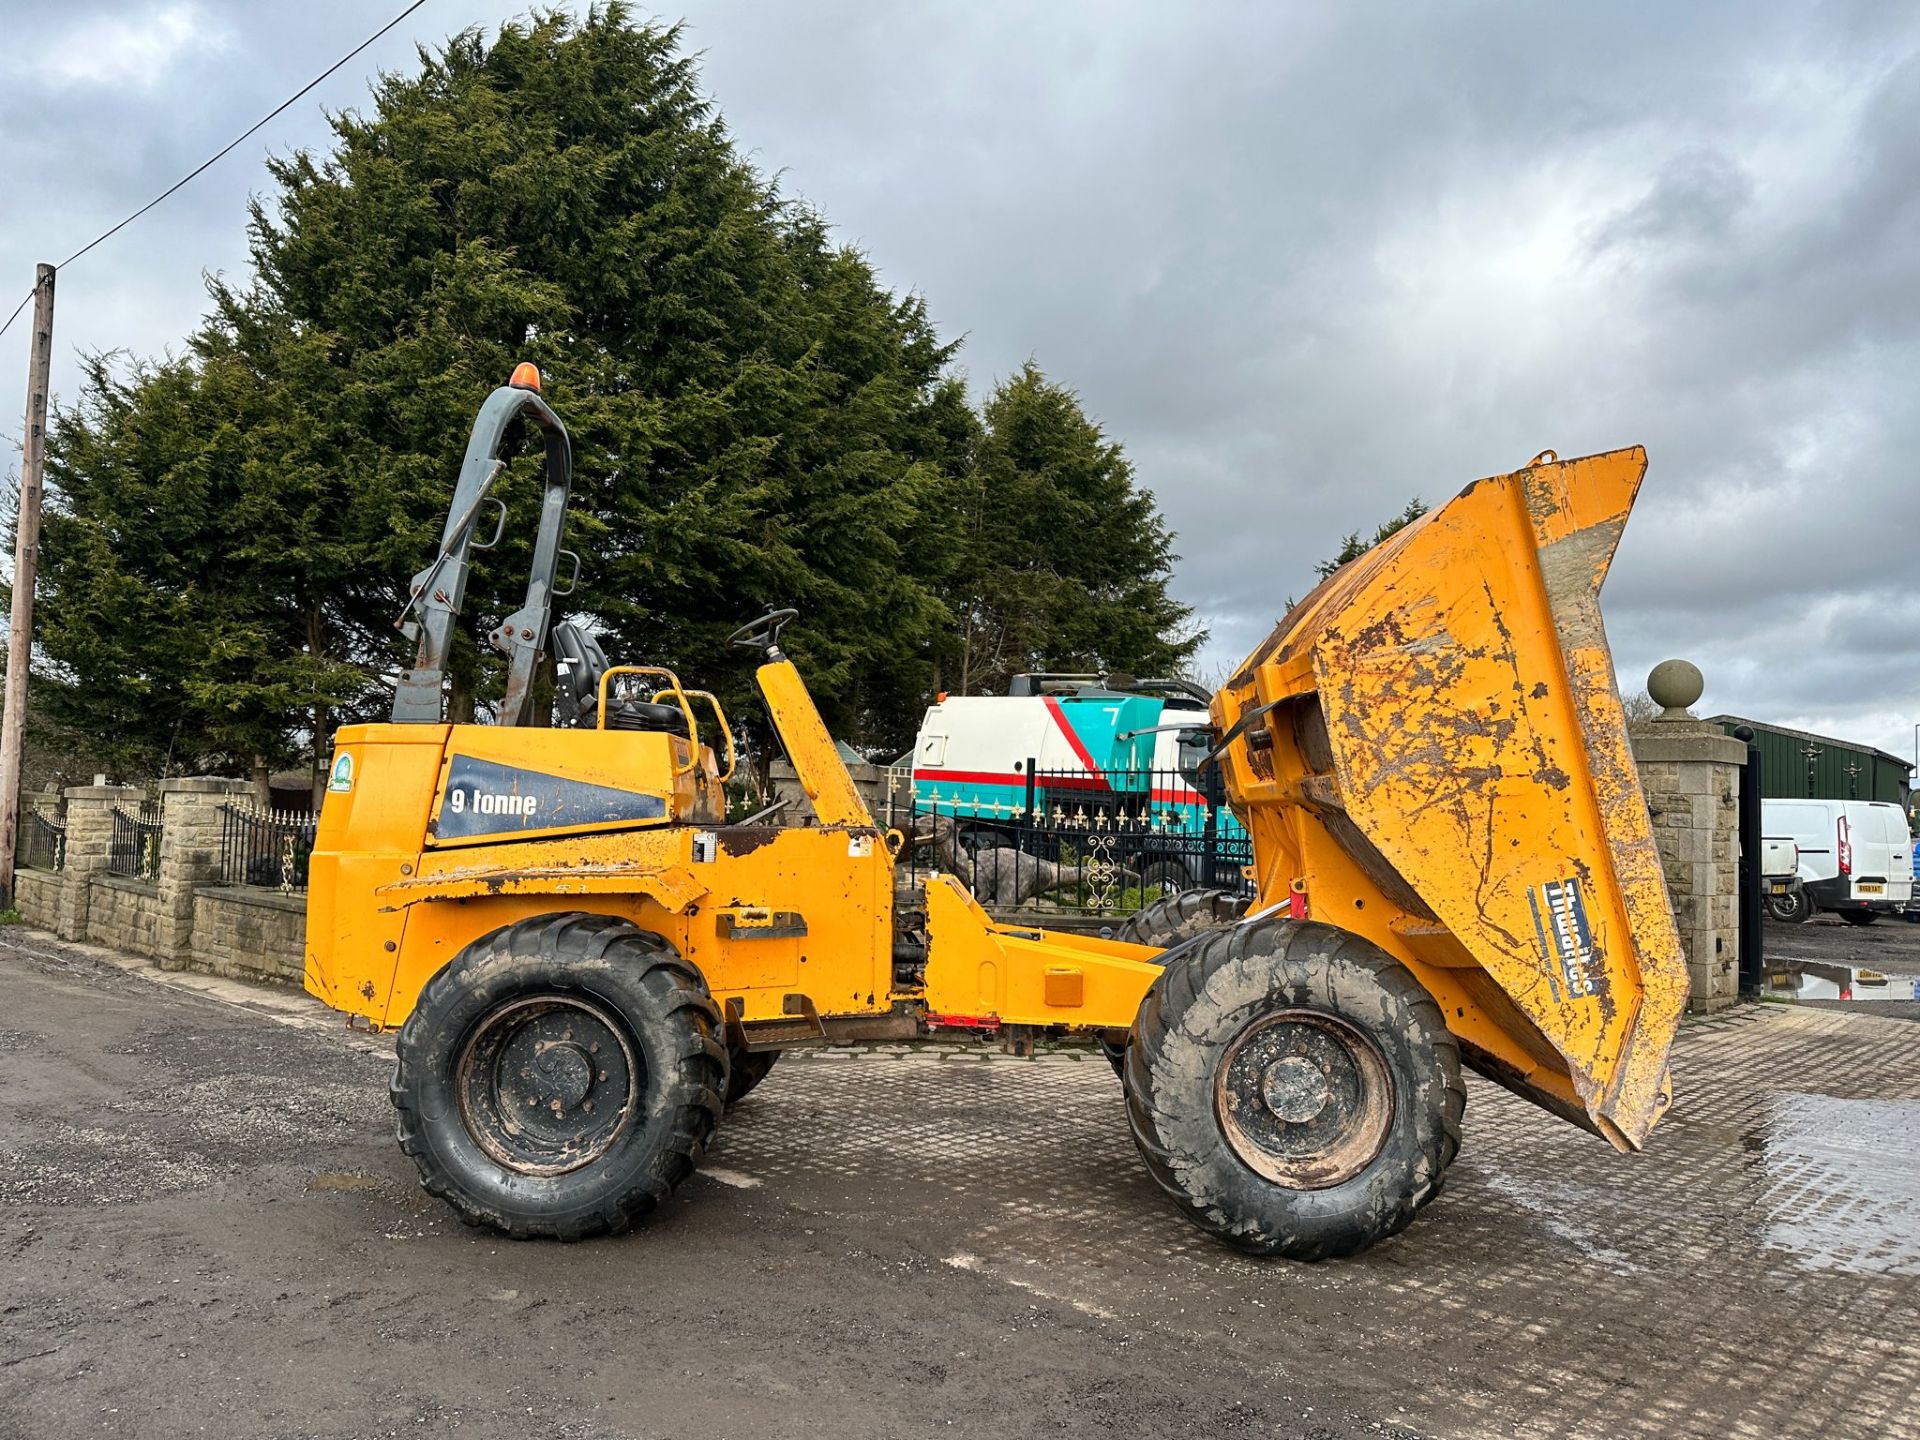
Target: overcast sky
[(1305, 260)]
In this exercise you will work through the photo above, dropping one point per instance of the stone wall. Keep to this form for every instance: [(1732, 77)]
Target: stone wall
[(36, 895), (124, 914), (249, 934), (1691, 775), (871, 781), (183, 918)]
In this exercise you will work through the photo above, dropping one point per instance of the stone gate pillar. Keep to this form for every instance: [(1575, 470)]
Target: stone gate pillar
[(1691, 773), (189, 855), (89, 832)]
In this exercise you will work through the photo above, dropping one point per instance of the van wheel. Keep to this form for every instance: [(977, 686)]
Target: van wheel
[(1794, 909), (1294, 1089), (1860, 917), (560, 1077)]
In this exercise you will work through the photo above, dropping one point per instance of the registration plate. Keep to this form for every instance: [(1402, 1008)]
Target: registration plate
[(1868, 889), (1778, 887)]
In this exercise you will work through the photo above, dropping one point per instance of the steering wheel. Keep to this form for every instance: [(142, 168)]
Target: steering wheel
[(763, 633)]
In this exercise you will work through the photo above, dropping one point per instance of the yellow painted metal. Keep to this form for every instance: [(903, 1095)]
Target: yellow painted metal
[(387, 907), (1431, 753), (726, 730), (372, 884), (368, 836), (644, 761), (1019, 976), (809, 747)]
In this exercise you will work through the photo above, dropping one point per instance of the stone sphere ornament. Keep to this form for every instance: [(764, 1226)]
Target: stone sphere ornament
[(1673, 686)]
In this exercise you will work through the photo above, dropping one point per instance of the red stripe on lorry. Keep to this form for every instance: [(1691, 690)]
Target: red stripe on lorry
[(999, 777), (1079, 750)]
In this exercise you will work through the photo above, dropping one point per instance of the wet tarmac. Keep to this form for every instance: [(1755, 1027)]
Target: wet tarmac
[(205, 1228), (1828, 962)]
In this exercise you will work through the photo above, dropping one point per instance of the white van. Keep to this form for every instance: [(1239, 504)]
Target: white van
[(1856, 857)]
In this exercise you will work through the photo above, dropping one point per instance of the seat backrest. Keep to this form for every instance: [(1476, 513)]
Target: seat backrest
[(578, 663)]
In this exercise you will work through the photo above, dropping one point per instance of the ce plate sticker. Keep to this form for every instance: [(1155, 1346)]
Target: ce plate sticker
[(1566, 939)]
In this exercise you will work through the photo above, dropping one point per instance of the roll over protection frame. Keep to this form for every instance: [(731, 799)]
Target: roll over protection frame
[(438, 592)]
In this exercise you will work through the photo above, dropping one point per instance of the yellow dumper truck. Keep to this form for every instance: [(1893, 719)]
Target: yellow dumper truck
[(586, 963)]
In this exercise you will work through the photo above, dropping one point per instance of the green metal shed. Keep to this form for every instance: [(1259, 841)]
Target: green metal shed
[(1796, 764)]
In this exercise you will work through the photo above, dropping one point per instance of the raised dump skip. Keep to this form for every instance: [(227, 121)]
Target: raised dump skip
[(1431, 752)]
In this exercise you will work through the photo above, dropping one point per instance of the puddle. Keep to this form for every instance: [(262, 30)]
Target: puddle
[(1843, 1191), (1819, 980)]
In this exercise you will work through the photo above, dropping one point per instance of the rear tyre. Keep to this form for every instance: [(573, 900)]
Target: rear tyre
[(746, 1069), (1165, 924), (1294, 1089), (560, 1077), (1860, 917), (1794, 909)]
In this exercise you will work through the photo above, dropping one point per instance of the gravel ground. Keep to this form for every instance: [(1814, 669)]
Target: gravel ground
[(205, 1228)]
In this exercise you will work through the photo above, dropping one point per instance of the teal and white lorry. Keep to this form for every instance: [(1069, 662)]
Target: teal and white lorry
[(1062, 751)]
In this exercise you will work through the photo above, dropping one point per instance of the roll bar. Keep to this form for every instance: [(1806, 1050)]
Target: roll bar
[(439, 591)]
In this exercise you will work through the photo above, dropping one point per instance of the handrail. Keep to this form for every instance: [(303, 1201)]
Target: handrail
[(726, 730), (673, 687)]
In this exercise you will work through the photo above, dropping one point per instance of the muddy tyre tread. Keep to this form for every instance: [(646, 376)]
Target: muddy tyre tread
[(1167, 922), (559, 952), (1294, 949), (745, 1070)]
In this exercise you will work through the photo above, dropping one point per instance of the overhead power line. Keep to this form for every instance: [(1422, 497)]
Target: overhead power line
[(213, 160)]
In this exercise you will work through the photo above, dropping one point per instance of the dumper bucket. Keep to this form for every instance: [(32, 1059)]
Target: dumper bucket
[(1442, 712)]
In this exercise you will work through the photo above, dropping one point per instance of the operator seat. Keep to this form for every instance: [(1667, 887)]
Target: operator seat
[(579, 664)]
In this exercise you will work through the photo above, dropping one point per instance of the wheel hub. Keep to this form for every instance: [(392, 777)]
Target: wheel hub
[(1295, 1089), (1304, 1098), (547, 1083), (563, 1074)]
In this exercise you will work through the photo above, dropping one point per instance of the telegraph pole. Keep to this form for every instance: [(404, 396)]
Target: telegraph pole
[(26, 561)]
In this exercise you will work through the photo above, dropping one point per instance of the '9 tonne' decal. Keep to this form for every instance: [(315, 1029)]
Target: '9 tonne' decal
[(484, 798)]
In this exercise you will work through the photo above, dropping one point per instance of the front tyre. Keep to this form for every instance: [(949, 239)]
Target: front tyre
[(1294, 1089), (560, 1077)]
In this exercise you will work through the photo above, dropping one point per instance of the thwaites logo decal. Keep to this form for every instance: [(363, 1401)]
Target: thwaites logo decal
[(1566, 939), (341, 779), (487, 798)]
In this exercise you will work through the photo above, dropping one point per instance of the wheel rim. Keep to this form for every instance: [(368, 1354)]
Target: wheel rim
[(1304, 1098), (547, 1083)]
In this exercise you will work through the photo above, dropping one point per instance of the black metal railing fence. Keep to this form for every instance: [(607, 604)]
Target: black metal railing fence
[(43, 841), (270, 849), (1069, 841), (133, 849)]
